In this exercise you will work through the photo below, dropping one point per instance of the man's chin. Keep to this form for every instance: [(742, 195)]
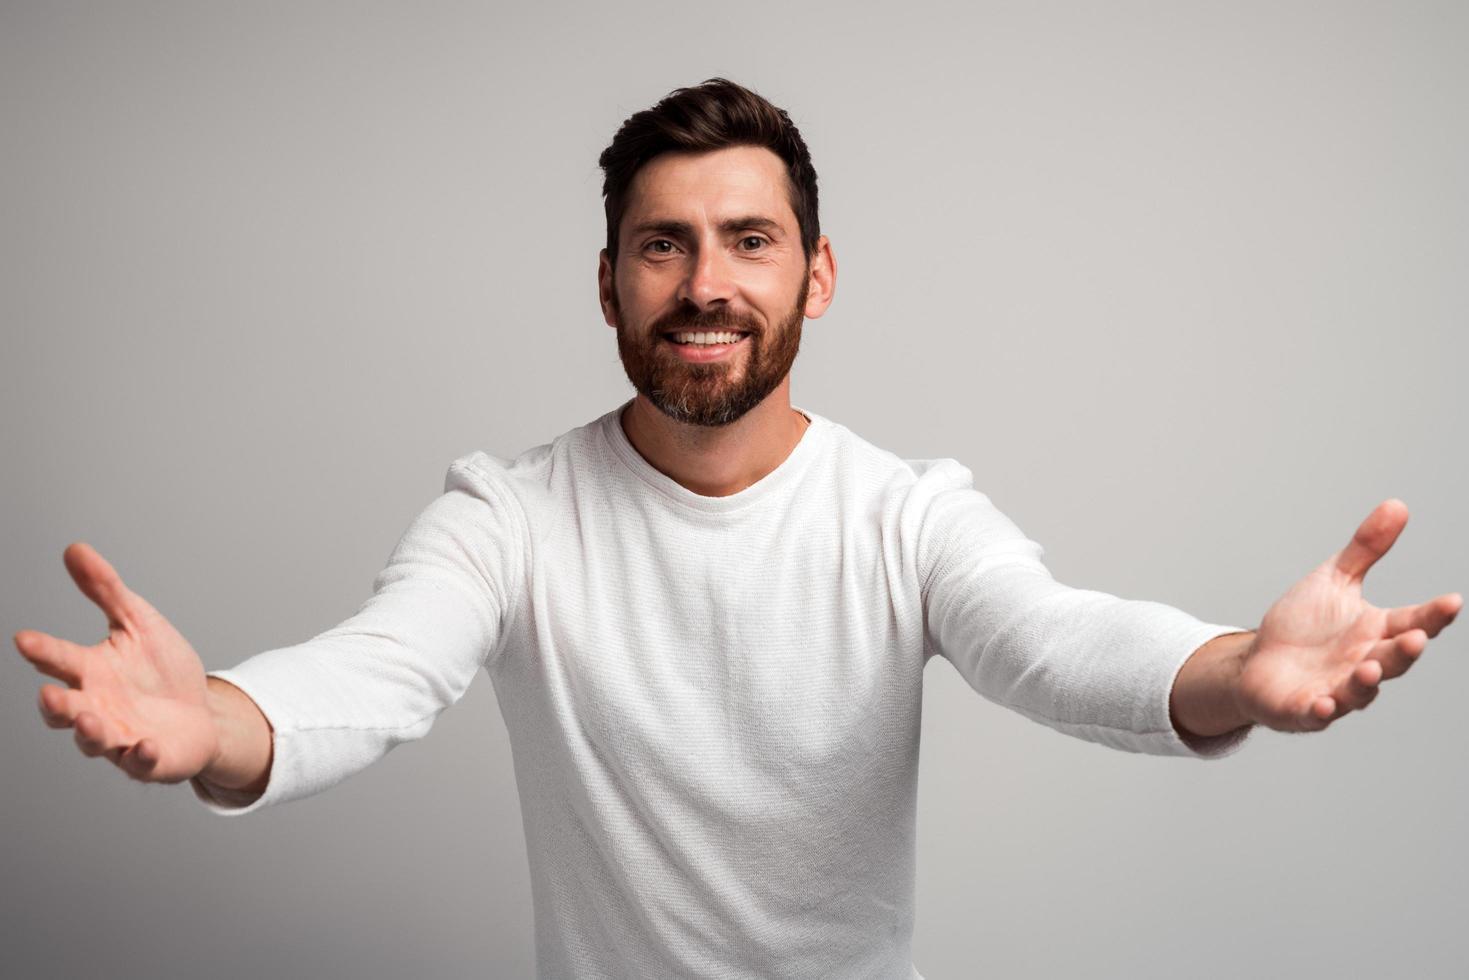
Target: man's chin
[(699, 408)]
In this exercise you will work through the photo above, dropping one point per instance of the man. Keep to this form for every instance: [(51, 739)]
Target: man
[(707, 613)]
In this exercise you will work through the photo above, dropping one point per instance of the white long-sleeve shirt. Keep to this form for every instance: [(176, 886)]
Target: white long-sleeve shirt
[(713, 703)]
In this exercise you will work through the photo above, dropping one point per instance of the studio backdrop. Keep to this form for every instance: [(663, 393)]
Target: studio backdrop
[(1182, 283)]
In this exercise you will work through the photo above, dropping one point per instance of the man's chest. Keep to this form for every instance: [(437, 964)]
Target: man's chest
[(792, 646)]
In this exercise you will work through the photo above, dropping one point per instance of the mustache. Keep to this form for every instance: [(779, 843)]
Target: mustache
[(719, 318)]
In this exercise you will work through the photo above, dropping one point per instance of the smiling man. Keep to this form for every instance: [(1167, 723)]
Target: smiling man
[(736, 357), (699, 284), (706, 615)]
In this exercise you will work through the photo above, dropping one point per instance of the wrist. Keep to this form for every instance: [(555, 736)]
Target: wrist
[(244, 741), (1206, 697)]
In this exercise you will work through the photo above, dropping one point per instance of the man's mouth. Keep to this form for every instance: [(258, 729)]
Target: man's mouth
[(704, 338)]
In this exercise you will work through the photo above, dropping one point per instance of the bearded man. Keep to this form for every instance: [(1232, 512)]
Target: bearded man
[(706, 616)]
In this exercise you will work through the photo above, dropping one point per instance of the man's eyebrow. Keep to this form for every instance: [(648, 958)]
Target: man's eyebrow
[(670, 227)]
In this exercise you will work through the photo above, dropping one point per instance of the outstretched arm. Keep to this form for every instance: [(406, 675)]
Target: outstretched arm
[(1088, 664), (295, 720), (1320, 652)]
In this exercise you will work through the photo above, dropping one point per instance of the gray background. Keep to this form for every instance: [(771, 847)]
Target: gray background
[(1183, 283)]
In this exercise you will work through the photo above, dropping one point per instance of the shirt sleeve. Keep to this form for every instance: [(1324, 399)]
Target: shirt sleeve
[(1088, 664), (341, 700)]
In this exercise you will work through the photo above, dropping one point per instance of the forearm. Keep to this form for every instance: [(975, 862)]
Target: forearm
[(240, 769), (1205, 699)]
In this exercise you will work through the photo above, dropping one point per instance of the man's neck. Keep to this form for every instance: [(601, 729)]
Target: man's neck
[(717, 461)]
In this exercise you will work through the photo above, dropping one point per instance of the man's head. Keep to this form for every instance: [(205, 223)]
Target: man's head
[(711, 228)]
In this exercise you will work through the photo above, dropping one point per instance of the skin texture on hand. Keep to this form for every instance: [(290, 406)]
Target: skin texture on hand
[(1321, 650), (139, 696)]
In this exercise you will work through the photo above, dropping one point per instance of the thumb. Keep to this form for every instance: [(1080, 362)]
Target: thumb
[(1373, 537), (100, 582)]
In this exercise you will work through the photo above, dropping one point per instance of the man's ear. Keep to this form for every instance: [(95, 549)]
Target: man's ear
[(606, 289), (822, 274)]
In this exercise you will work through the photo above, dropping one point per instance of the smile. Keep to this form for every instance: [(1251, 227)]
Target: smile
[(701, 347), (704, 338)]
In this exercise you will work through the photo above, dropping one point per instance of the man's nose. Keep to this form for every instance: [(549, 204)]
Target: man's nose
[(709, 280)]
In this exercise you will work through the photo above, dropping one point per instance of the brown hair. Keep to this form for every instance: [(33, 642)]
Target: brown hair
[(710, 116)]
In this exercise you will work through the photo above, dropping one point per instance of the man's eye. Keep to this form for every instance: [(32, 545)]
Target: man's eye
[(752, 238), (659, 241)]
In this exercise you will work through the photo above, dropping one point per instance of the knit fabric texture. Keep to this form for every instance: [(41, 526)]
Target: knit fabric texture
[(714, 703)]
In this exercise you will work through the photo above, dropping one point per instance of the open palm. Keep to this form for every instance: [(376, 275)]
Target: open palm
[(1322, 650), (138, 696)]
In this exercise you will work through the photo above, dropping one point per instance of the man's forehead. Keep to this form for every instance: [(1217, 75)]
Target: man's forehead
[(735, 180)]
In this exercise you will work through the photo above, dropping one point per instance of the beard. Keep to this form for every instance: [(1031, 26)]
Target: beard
[(707, 394)]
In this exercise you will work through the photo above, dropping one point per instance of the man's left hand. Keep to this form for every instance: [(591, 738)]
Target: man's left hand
[(1322, 650)]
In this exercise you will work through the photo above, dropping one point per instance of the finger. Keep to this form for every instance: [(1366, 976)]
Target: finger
[(88, 734), (1319, 713), (1368, 674), (1360, 688), (1398, 653), (1373, 537), (60, 706), (93, 736), (141, 759), (101, 583), (1431, 616), (52, 655)]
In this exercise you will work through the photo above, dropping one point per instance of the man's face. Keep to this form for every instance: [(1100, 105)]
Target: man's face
[(708, 245)]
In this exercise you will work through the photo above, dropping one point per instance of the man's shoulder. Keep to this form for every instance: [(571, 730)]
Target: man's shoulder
[(932, 502), (893, 470), (526, 478)]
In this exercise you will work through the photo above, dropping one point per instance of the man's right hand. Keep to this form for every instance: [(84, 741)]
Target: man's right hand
[(139, 696)]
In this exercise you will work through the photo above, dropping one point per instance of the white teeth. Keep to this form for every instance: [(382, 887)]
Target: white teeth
[(702, 337)]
